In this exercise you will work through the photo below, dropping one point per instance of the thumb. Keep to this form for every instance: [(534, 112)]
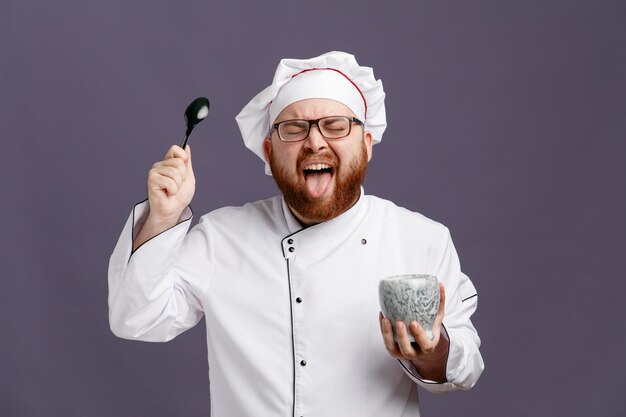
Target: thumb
[(188, 160)]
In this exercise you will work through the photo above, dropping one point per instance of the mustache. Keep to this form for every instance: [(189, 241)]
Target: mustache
[(324, 156)]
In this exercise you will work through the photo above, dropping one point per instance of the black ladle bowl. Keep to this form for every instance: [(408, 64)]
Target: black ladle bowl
[(196, 112)]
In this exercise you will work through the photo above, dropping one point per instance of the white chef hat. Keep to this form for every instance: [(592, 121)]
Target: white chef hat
[(334, 75)]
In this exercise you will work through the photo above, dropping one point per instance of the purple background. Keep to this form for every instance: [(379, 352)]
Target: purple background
[(507, 123)]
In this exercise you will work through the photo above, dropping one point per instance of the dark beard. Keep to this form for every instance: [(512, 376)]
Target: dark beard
[(347, 190)]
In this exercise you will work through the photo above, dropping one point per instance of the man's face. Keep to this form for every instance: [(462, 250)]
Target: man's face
[(320, 178)]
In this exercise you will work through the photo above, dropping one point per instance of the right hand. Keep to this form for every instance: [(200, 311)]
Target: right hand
[(171, 185)]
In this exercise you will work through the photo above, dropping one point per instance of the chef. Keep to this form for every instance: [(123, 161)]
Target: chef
[(288, 285)]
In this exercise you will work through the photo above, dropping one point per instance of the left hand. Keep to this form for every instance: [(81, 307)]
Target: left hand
[(428, 356)]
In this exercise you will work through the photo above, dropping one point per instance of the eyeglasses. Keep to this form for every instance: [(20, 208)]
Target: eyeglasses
[(331, 127)]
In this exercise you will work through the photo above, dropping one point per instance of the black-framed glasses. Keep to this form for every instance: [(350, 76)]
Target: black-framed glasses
[(331, 127)]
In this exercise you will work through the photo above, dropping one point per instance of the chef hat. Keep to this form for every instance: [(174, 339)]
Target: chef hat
[(334, 75)]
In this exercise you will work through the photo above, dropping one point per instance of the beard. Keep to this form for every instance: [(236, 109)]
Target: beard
[(348, 181)]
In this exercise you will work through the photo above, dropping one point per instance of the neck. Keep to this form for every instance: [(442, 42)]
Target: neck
[(304, 222)]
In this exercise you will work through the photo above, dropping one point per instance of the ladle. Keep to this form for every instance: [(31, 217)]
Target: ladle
[(194, 114)]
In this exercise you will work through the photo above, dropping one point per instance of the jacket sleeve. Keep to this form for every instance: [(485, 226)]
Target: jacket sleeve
[(465, 363), (149, 299)]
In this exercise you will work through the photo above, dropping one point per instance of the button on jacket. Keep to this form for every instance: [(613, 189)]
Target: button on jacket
[(292, 313)]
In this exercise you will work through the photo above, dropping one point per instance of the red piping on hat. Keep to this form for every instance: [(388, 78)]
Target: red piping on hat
[(346, 77)]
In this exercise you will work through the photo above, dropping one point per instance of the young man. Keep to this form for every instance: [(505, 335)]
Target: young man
[(288, 285)]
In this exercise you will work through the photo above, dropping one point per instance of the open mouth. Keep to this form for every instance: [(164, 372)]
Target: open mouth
[(318, 178), (317, 169)]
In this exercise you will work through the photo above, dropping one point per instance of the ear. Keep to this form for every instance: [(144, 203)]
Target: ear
[(267, 148), (367, 138)]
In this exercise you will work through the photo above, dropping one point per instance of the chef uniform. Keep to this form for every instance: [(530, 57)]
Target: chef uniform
[(291, 312)]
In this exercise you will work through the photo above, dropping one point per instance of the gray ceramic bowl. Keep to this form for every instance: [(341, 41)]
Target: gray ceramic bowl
[(410, 297)]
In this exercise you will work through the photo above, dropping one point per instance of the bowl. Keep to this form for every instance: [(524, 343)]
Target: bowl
[(410, 297)]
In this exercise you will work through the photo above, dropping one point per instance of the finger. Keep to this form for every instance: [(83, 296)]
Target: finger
[(404, 343), (165, 165), (171, 172), (421, 337), (427, 344), (176, 152), (188, 164), (176, 172), (172, 163), (161, 182), (387, 332), (188, 152)]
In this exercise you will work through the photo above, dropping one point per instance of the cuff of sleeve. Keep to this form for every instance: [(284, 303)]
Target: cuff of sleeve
[(140, 213), (429, 385), (150, 254), (465, 363)]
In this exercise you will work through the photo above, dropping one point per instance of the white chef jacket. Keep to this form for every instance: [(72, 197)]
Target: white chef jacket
[(292, 313)]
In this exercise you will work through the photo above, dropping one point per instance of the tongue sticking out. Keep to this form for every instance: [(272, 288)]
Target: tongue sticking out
[(317, 183)]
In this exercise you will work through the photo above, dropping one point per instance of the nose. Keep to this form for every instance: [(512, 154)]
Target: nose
[(315, 141)]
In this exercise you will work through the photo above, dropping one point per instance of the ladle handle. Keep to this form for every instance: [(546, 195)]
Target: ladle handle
[(185, 139)]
